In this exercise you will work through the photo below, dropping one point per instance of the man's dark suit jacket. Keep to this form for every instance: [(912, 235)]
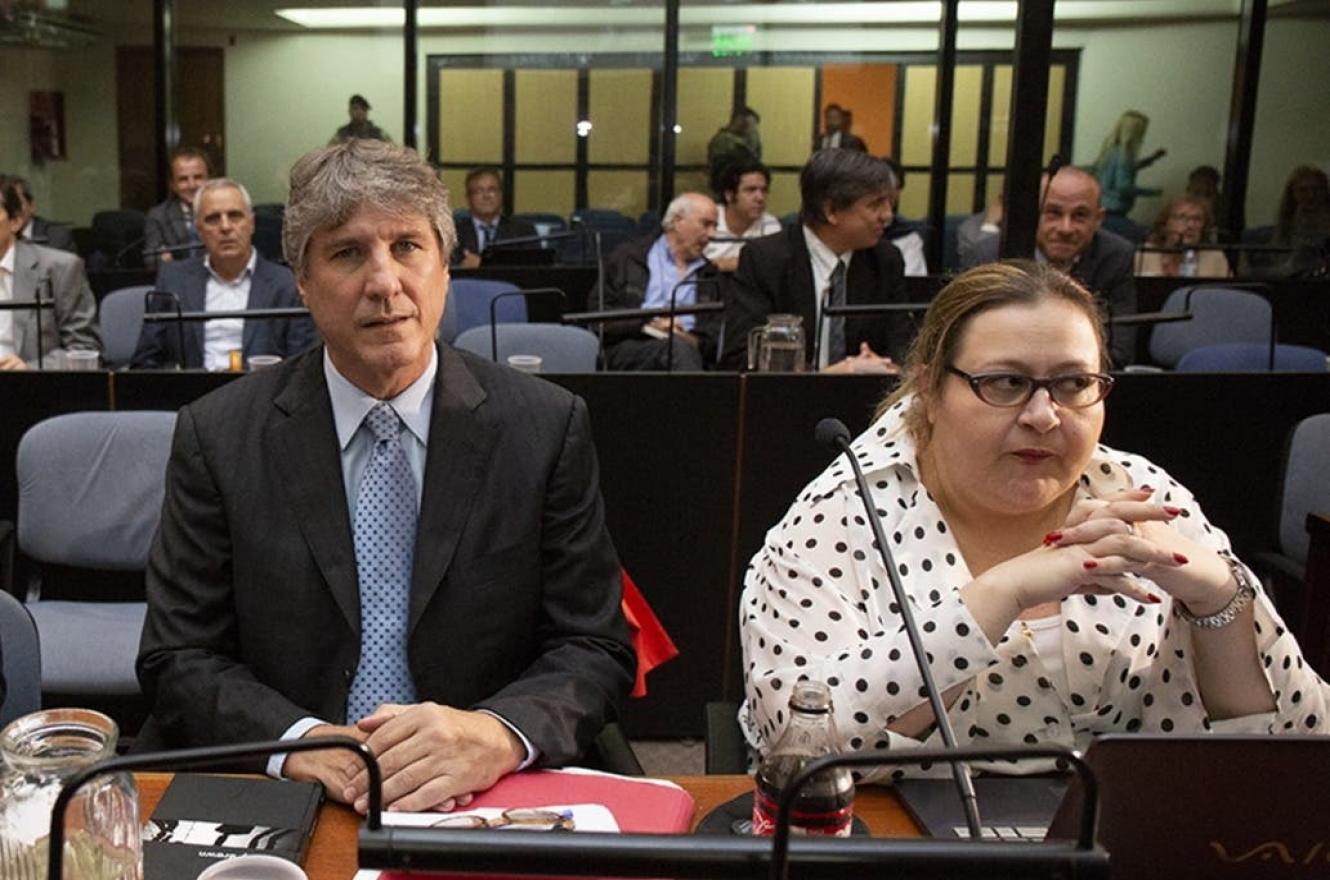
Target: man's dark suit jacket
[(847, 142), (272, 287), (253, 604), (165, 226), (507, 228), (56, 235), (775, 275), (626, 276), (1106, 269)]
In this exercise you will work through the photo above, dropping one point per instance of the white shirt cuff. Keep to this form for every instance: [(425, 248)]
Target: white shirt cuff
[(532, 753), (295, 731)]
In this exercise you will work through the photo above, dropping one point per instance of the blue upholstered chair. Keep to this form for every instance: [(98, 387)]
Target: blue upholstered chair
[(469, 306), (1219, 314), (120, 315), (562, 349), (22, 660), (1252, 357)]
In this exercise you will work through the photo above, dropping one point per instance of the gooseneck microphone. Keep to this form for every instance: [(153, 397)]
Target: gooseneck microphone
[(833, 434)]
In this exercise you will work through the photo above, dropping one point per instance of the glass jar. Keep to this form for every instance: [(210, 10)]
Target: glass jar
[(102, 835), (778, 345)]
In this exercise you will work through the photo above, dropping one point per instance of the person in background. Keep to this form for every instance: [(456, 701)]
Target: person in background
[(643, 274), (171, 223), (383, 538), (1064, 589), (488, 223), (28, 270), (230, 276), (1203, 184), (738, 142), (359, 126), (975, 230), (1070, 237), (1119, 162), (743, 213), (1182, 224), (1303, 224), (39, 230), (836, 131), (835, 254), (905, 235)]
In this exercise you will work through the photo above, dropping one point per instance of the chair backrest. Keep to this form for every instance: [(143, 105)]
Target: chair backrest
[(91, 487), (22, 660), (1252, 357), (121, 318), (1306, 483), (562, 349), (268, 234), (1219, 314), (469, 306), (115, 231)]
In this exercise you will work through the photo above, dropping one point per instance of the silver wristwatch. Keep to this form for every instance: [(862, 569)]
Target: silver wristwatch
[(1229, 613)]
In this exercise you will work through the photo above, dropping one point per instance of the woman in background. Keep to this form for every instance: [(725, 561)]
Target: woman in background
[(1182, 224), (1119, 162), (1063, 589), (1303, 224)]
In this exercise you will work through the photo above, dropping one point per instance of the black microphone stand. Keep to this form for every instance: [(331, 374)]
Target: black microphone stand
[(832, 432), (189, 759), (689, 278), (37, 294)]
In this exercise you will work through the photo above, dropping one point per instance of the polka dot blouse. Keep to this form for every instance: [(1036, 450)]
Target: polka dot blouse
[(817, 604)]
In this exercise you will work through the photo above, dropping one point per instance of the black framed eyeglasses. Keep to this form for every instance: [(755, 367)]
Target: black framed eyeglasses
[(1072, 390)]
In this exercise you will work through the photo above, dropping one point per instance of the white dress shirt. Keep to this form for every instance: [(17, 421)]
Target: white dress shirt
[(6, 294), (225, 335), (767, 224), (414, 406), (824, 263)]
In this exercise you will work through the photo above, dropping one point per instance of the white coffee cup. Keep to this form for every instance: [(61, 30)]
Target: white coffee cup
[(527, 363), (254, 867), (82, 359), (258, 361)]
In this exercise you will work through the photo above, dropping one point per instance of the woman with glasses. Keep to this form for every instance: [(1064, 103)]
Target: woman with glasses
[(1183, 224), (1063, 589)]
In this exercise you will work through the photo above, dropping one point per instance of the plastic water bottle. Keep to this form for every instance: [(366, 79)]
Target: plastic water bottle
[(1190, 264), (826, 804)]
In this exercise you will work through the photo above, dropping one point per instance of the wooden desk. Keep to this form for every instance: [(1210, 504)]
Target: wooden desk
[(332, 856)]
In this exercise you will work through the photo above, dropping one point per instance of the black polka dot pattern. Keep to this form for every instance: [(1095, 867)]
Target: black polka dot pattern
[(1120, 667), (385, 541)]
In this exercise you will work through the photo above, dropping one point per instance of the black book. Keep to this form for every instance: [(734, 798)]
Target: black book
[(203, 819)]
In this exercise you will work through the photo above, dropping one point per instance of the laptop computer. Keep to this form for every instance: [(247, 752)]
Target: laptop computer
[(1176, 807)]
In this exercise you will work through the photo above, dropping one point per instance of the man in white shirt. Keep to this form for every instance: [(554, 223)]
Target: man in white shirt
[(743, 213), (27, 271), (230, 277)]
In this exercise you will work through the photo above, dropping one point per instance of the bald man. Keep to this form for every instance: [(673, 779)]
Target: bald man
[(643, 274), (1071, 238)]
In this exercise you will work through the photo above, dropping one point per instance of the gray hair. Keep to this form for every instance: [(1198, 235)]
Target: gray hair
[(213, 183), (330, 184), (681, 207)]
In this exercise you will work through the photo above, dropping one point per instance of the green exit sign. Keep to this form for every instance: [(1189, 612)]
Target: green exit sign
[(728, 41)]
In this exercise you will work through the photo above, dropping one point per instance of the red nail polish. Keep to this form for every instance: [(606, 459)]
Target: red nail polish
[(1179, 559), (1171, 510), (1154, 600), (1090, 563), (1146, 489), (1052, 538)]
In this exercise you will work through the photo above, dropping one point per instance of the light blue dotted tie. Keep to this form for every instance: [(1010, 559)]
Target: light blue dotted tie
[(385, 537)]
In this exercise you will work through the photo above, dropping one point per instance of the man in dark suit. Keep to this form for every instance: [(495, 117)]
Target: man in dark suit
[(384, 538), (488, 224), (39, 230), (835, 254), (231, 276), (25, 271), (1071, 237), (170, 225), (836, 134)]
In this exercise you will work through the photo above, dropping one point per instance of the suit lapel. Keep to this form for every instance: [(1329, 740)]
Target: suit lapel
[(196, 300), (26, 269), (260, 297), (461, 442), (304, 439), (801, 282)]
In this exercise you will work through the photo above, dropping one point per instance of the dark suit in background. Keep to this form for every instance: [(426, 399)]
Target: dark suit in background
[(1106, 267), (168, 225), (55, 235), (73, 321), (272, 287), (507, 228), (254, 614), (775, 275)]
